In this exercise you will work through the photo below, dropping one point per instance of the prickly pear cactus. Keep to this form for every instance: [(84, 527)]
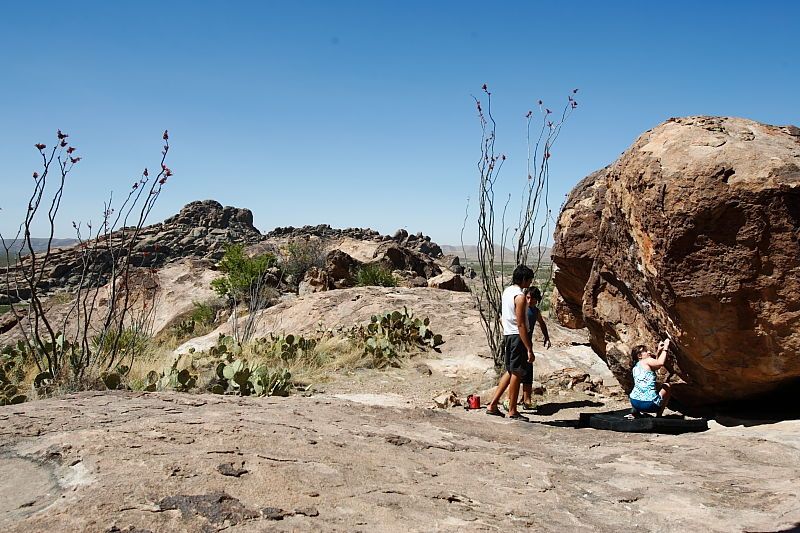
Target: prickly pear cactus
[(240, 378), (389, 334), (174, 379), (9, 390)]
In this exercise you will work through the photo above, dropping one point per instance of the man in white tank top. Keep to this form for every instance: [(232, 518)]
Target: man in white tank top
[(516, 342)]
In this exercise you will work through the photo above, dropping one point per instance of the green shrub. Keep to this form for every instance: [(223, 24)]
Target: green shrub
[(299, 255), (547, 294), (242, 275), (203, 313), (375, 275)]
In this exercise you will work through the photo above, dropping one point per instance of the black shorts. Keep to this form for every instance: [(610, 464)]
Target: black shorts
[(527, 379), (516, 355)]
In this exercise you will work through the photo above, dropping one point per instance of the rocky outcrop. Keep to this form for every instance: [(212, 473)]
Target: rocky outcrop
[(199, 231), (326, 231), (694, 232), (202, 229), (417, 242), (396, 257), (338, 272)]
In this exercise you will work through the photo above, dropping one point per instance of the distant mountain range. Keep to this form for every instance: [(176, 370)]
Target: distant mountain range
[(38, 245), (472, 252)]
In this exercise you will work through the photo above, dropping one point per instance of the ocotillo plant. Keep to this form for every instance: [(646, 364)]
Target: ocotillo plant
[(533, 225)]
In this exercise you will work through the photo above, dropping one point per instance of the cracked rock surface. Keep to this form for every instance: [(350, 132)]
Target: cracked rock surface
[(124, 461)]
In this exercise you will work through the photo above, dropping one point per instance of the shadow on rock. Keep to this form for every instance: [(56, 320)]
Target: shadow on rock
[(765, 409), (547, 409), (791, 529)]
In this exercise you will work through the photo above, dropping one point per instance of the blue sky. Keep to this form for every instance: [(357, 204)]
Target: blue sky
[(360, 113)]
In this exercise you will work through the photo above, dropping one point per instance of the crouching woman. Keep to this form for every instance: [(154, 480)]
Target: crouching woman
[(644, 396)]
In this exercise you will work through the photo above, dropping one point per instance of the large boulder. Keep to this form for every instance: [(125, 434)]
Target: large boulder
[(341, 269), (694, 232), (448, 281), (314, 280), (394, 257)]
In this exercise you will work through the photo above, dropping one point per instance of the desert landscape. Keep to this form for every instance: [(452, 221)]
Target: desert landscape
[(363, 442), (369, 227)]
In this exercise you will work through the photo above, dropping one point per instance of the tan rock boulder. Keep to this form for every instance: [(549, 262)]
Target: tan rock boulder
[(394, 257), (693, 232), (314, 280), (340, 269), (448, 281)]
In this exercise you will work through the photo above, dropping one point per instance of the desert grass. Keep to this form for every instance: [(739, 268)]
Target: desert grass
[(332, 355)]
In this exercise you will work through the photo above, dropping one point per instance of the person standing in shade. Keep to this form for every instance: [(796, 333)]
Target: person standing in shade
[(516, 342)]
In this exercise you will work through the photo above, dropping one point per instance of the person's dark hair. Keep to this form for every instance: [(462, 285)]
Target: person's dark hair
[(535, 293), (521, 273), (638, 349)]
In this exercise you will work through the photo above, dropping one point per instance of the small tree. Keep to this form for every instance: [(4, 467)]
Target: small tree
[(241, 273), (298, 255), (533, 225), (244, 280)]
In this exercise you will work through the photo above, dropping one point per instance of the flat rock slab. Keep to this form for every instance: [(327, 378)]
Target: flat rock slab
[(136, 462), (616, 421)]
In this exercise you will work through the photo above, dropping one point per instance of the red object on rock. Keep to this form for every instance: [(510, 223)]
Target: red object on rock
[(473, 401)]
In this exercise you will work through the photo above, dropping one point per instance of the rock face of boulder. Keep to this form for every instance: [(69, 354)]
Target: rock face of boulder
[(693, 232), (564, 313)]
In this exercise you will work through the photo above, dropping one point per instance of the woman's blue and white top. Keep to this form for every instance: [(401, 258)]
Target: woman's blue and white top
[(644, 383)]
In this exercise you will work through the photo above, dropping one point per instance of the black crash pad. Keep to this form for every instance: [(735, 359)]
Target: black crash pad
[(616, 421)]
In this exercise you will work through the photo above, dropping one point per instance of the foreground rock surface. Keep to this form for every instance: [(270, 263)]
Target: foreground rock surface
[(693, 231), (100, 462)]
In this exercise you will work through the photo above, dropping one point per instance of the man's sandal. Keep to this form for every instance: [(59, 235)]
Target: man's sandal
[(517, 416), (495, 412)]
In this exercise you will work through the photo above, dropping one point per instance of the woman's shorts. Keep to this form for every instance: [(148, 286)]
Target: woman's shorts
[(647, 406)]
